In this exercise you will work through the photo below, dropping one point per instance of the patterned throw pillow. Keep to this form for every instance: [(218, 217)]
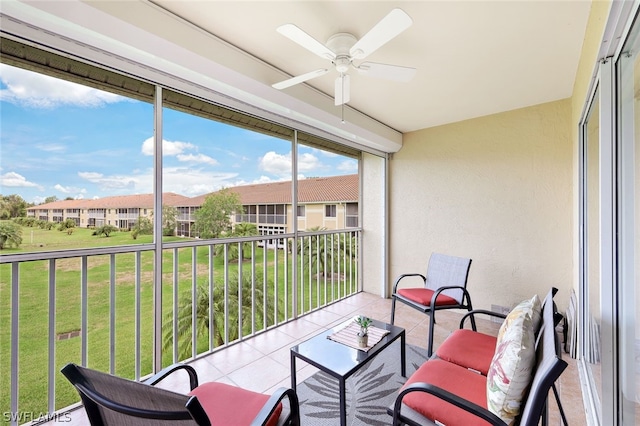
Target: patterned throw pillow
[(512, 365), (531, 306)]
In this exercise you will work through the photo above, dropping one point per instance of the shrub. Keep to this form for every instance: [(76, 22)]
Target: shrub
[(10, 234)]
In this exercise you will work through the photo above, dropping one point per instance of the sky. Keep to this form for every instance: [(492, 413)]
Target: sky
[(67, 140)]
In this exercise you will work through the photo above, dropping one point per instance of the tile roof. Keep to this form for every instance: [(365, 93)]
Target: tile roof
[(334, 189), (312, 190), (144, 201)]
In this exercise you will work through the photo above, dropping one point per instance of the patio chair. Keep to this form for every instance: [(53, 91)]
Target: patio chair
[(111, 400), (444, 287)]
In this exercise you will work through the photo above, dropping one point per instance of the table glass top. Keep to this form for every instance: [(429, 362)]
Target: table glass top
[(341, 358)]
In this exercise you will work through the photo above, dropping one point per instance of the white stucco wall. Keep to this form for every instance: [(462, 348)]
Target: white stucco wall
[(497, 189)]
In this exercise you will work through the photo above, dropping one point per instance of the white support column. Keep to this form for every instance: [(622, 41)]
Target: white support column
[(157, 232), (608, 229)]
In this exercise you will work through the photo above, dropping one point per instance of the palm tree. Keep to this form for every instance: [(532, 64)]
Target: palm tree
[(10, 234), (321, 248), (240, 230), (251, 294)]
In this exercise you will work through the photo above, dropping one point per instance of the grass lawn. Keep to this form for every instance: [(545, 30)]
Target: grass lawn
[(34, 307)]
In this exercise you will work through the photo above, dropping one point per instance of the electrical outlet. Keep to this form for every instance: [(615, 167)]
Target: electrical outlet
[(500, 310)]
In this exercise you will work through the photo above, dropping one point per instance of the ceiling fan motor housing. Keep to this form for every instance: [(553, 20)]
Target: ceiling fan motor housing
[(341, 44)]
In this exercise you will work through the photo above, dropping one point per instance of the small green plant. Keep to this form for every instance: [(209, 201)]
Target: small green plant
[(107, 230), (364, 323)]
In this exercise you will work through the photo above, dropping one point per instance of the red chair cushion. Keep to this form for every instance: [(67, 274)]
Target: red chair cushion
[(231, 405), (455, 379), (468, 349), (423, 296)]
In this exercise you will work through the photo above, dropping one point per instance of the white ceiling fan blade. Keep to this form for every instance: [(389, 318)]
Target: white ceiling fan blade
[(305, 40), (342, 89), (390, 26), (388, 72), (299, 79)]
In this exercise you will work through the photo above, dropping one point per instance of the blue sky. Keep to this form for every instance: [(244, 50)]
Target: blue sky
[(66, 140)]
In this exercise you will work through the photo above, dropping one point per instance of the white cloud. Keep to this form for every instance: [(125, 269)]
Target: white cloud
[(168, 147), (280, 165), (276, 164), (90, 176), (187, 181), (197, 158), (308, 162), (13, 179), (61, 188), (36, 90), (51, 147), (115, 182), (191, 182), (70, 189), (261, 179), (348, 166)]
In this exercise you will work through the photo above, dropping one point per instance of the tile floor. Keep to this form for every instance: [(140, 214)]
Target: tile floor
[(262, 363)]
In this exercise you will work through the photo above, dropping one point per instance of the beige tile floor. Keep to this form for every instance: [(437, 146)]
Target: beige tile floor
[(262, 363)]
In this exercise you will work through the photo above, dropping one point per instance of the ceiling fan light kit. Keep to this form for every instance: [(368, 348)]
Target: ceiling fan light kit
[(342, 48)]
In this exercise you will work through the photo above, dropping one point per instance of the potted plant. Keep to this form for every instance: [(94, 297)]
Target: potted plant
[(363, 336)]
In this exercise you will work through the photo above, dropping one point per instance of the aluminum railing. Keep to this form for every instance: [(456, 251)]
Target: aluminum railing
[(94, 306)]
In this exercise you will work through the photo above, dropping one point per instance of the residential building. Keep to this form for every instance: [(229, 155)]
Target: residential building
[(323, 202), (326, 202), (120, 211)]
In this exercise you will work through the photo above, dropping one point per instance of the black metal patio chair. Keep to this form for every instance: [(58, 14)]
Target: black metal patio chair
[(111, 400), (444, 287)]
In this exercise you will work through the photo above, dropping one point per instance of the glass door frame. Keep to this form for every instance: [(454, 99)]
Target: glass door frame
[(614, 256)]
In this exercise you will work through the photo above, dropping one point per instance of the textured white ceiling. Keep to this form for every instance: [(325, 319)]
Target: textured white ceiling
[(473, 57)]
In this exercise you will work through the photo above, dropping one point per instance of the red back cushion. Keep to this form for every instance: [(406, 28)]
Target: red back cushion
[(455, 379), (468, 349), (231, 405)]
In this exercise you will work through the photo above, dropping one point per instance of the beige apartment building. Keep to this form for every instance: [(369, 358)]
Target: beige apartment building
[(324, 202), (120, 211)]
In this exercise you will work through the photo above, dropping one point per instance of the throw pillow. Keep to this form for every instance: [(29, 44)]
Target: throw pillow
[(512, 365), (531, 306)]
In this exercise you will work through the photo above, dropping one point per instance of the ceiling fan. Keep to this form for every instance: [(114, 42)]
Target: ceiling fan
[(343, 48)]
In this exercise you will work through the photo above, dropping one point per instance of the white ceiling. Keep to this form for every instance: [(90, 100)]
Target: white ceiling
[(473, 58)]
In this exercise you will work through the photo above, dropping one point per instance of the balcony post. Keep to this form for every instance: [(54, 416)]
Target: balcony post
[(157, 231), (294, 215)]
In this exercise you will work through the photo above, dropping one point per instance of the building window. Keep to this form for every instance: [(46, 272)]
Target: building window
[(330, 210), (272, 214), (272, 242), (300, 212), (351, 220)]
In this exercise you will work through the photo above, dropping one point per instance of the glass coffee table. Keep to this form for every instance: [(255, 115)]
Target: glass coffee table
[(342, 361)]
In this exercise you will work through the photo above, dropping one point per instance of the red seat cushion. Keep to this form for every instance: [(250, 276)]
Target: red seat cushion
[(231, 405), (468, 349), (455, 379), (423, 296)]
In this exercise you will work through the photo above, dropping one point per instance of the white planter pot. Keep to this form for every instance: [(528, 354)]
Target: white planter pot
[(363, 341)]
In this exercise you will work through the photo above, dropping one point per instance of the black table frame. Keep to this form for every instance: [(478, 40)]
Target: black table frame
[(342, 361)]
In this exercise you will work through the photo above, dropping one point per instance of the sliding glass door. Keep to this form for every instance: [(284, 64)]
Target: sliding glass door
[(628, 162), (591, 319), (610, 234)]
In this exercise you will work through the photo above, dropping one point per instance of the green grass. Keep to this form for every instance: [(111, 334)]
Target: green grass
[(34, 308)]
